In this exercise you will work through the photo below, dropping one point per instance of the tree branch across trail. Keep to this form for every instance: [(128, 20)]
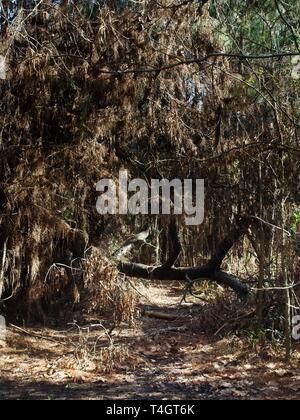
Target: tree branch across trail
[(210, 271)]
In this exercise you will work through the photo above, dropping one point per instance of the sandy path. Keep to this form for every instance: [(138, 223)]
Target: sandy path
[(168, 360)]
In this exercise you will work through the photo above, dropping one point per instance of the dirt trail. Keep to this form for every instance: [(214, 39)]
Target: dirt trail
[(168, 360)]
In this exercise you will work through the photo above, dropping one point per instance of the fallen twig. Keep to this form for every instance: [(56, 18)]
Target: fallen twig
[(160, 315), (36, 335)]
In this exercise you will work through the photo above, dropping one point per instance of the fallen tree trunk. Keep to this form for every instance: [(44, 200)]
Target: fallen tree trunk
[(193, 274), (160, 315), (211, 271)]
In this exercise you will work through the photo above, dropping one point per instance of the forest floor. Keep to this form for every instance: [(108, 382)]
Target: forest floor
[(156, 360)]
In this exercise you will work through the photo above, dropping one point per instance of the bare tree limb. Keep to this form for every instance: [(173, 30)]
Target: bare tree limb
[(211, 271), (176, 245), (149, 69), (201, 60), (225, 246), (197, 274)]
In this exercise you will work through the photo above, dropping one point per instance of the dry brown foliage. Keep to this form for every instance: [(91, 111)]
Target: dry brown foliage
[(108, 293)]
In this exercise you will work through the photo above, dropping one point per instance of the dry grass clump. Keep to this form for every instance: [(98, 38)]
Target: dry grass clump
[(95, 352), (222, 313), (108, 293)]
